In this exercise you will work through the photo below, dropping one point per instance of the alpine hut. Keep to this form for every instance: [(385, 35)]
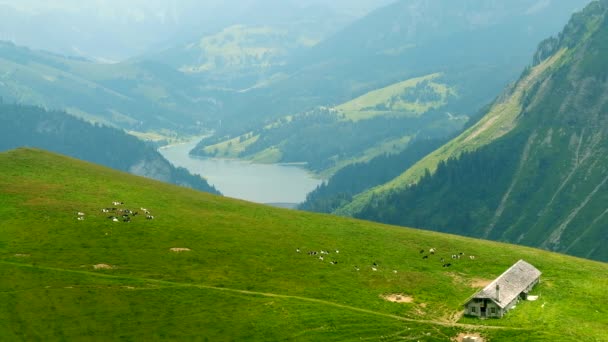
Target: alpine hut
[(504, 292)]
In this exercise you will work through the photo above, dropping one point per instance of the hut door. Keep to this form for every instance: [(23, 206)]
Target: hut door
[(483, 311)]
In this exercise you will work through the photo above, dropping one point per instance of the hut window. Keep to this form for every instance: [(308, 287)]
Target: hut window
[(473, 309), (493, 310)]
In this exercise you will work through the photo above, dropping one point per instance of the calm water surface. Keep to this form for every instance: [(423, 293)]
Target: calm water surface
[(262, 183)]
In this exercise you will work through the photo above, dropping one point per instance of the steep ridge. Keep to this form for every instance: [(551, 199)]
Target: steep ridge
[(63, 133), (207, 267), (532, 171)]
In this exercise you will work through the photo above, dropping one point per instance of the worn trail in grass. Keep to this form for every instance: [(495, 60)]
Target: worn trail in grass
[(265, 294)]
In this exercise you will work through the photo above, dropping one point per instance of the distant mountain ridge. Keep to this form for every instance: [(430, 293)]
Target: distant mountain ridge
[(411, 70), (140, 96), (533, 170)]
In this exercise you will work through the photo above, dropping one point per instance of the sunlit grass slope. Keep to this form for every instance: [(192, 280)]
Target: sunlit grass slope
[(242, 278), (409, 98)]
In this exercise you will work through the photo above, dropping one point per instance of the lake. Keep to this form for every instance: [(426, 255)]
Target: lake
[(261, 183)]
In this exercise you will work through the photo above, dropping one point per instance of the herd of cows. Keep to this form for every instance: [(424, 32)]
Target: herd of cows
[(323, 254), (119, 214)]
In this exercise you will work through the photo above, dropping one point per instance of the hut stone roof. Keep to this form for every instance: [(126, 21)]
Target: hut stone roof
[(511, 283)]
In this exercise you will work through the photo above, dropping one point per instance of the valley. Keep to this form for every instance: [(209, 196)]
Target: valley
[(285, 170)]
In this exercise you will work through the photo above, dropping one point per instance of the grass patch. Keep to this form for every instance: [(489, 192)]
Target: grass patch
[(410, 98)]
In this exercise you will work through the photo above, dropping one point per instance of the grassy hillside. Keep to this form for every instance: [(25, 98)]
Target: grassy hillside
[(412, 97), (241, 278)]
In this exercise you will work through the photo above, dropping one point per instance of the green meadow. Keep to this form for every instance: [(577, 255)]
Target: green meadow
[(241, 277)]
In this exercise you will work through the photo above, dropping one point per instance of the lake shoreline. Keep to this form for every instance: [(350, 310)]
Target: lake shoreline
[(281, 184)]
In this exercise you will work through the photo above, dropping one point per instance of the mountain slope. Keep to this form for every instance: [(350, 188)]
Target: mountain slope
[(410, 69), (140, 96), (241, 278), (540, 177), (63, 133)]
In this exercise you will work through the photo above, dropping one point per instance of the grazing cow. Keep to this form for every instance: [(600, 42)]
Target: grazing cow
[(80, 213), (453, 256), (321, 258), (395, 271), (80, 218), (432, 250), (472, 257), (375, 264), (333, 262), (115, 219), (425, 257), (149, 217), (135, 213), (105, 210), (421, 251), (297, 250), (374, 269), (117, 203), (337, 251)]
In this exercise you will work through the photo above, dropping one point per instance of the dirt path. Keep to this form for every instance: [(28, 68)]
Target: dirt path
[(264, 294)]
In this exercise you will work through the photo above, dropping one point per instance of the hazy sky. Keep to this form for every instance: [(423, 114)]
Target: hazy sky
[(118, 29)]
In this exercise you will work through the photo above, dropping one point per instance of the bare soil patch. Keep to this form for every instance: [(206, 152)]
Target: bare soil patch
[(398, 298), (103, 267), (462, 337), (179, 249), (479, 282)]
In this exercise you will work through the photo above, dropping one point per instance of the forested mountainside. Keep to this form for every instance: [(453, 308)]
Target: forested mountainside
[(57, 131), (358, 177), (410, 69), (533, 170)]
